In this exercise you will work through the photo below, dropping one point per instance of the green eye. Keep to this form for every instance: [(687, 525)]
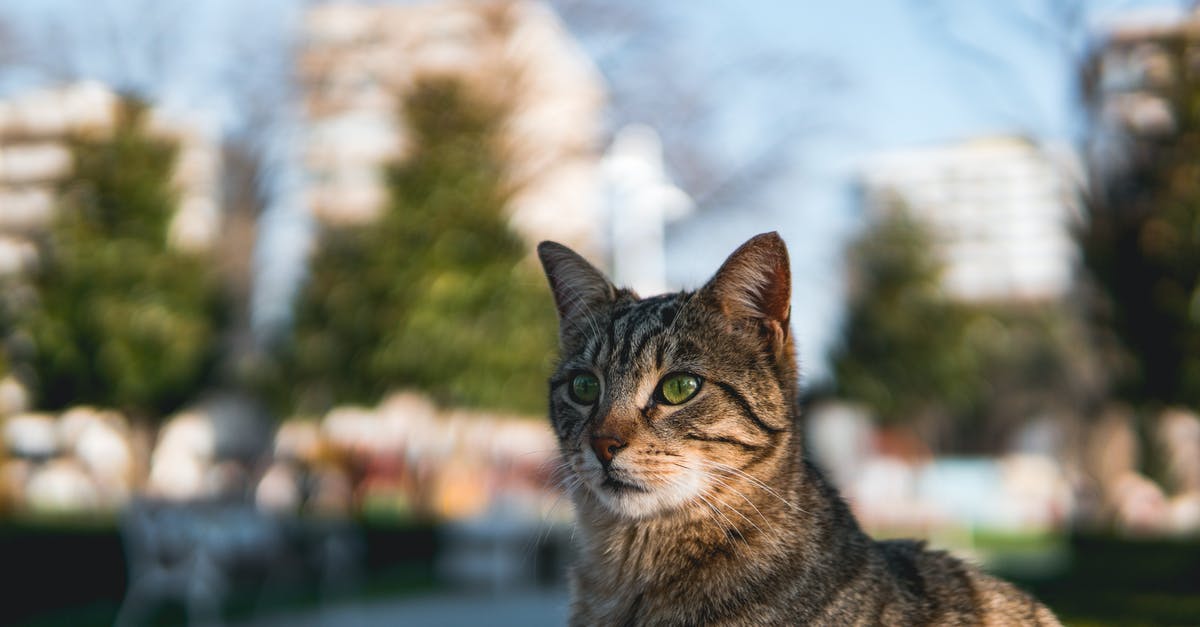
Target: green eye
[(678, 388), (585, 388)]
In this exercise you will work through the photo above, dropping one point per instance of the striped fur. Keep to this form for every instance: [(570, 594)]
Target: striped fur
[(708, 514)]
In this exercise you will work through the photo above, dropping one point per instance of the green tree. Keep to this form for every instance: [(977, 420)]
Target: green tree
[(1142, 245), (964, 374), (438, 294), (120, 319), (903, 351)]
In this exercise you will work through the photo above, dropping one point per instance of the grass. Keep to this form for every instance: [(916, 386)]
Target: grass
[(1122, 581)]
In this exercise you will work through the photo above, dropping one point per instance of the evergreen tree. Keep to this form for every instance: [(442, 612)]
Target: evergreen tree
[(438, 294), (120, 319), (903, 351), (966, 374)]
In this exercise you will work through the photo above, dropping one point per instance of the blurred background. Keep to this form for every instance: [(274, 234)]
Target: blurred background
[(273, 341)]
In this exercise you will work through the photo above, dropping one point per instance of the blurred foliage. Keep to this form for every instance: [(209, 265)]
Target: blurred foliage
[(965, 374), (903, 351), (1142, 248), (119, 318), (437, 294)]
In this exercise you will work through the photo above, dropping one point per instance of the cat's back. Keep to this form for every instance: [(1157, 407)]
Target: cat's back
[(935, 588)]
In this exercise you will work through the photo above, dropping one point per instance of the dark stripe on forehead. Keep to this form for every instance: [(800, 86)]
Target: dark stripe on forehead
[(646, 339), (622, 355), (630, 324), (612, 330), (666, 314), (747, 410), (684, 347)]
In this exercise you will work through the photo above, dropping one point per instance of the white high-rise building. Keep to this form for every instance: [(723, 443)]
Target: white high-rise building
[(1001, 210)]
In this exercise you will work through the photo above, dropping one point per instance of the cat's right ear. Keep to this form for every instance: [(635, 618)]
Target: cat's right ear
[(579, 288)]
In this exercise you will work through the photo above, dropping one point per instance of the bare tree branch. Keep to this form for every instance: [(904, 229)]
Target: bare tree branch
[(1059, 24), (655, 79)]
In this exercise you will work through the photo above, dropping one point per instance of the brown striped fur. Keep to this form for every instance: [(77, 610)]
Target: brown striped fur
[(708, 514)]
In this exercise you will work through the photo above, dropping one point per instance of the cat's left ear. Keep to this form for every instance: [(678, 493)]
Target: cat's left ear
[(755, 282)]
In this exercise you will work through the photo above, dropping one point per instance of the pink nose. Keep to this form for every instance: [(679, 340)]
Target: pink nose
[(606, 446)]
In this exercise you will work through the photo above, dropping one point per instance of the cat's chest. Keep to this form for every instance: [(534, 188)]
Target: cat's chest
[(599, 598), (644, 588), (627, 603), (650, 604)]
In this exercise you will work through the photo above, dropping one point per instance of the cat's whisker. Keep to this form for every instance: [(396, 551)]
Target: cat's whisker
[(561, 473), (544, 531), (580, 304), (729, 527), (538, 452), (738, 512), (715, 479), (559, 465), (744, 517), (568, 484), (737, 492), (714, 513), (735, 471)]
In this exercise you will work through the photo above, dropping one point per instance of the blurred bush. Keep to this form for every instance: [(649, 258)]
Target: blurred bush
[(118, 318), (438, 293)]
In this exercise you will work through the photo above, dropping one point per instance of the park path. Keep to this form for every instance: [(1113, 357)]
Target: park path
[(539, 608)]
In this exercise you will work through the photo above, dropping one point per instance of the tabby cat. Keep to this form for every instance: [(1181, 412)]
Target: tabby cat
[(676, 417)]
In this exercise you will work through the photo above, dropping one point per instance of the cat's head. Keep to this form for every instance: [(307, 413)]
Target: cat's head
[(669, 402)]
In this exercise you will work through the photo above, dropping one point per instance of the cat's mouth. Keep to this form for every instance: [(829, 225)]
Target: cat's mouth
[(620, 487)]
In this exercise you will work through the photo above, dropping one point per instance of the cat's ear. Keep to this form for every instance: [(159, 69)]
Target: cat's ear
[(578, 287), (755, 282)]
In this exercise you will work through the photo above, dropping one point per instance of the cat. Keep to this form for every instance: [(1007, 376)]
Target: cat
[(676, 417)]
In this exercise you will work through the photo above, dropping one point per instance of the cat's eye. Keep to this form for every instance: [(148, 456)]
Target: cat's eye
[(585, 388), (678, 388)]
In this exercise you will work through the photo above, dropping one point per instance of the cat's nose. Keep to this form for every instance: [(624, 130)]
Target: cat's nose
[(606, 446)]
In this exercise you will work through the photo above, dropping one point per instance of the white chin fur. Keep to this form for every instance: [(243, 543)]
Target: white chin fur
[(683, 487)]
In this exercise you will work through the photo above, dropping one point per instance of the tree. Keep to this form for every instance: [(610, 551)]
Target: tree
[(1142, 243), (120, 319), (965, 375), (439, 293), (903, 352)]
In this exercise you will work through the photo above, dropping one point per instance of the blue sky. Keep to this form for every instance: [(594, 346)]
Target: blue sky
[(889, 79)]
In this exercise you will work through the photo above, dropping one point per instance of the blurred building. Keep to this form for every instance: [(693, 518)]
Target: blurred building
[(1130, 77), (1000, 209), (359, 60), (35, 127), (641, 200)]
